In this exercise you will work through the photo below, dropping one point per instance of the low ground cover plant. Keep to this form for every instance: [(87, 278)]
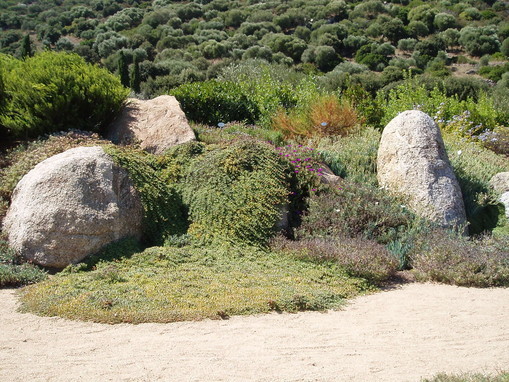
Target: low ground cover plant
[(469, 377), (166, 284), (14, 271)]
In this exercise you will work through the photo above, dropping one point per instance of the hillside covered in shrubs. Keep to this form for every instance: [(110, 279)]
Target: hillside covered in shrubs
[(157, 45)]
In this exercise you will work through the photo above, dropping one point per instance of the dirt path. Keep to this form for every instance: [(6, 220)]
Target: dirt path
[(415, 331)]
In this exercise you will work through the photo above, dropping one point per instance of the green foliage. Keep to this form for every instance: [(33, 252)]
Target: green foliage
[(352, 157), (236, 192), (164, 212), (251, 93), (167, 284), (26, 47), (123, 69), (474, 166), (14, 271), (57, 91), (465, 117), (235, 130), (494, 73), (355, 210), (212, 102), (135, 80), (469, 377), (479, 41), (505, 47)]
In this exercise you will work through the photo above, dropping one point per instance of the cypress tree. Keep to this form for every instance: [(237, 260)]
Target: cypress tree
[(26, 47), (123, 70), (135, 76)]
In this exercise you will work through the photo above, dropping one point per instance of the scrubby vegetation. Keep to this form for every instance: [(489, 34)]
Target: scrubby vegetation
[(165, 284), (51, 92), (469, 377), (14, 271), (157, 45), (279, 93)]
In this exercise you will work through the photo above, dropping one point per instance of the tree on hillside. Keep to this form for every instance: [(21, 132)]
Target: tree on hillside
[(123, 70), (135, 76), (26, 47)]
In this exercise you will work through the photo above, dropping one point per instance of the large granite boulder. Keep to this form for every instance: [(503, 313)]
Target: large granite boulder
[(500, 183), (155, 125), (412, 162), (71, 205)]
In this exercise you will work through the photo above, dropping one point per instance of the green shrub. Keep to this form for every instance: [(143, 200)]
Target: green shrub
[(353, 156), (57, 91), (494, 73), (474, 166), (234, 130), (164, 212), (465, 117), (236, 192), (355, 210), (172, 165), (15, 272), (212, 102), (496, 140)]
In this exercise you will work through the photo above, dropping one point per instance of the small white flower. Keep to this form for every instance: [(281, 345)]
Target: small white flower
[(459, 152), (337, 210)]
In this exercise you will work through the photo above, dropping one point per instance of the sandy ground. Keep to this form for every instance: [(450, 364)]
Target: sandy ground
[(403, 334)]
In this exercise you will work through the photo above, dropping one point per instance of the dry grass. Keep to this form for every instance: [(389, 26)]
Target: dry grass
[(325, 116)]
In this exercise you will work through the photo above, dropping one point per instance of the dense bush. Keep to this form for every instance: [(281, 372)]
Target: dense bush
[(214, 101), (57, 91), (474, 166), (164, 212), (355, 210), (236, 192)]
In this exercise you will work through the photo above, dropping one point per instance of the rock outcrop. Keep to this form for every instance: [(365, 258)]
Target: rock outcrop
[(412, 162), (155, 125), (500, 183), (71, 205)]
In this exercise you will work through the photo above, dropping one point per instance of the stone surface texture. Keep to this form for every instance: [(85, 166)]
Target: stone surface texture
[(71, 205), (504, 199), (412, 162), (500, 182), (155, 125)]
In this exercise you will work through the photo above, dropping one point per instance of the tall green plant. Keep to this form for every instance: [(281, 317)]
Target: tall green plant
[(57, 91), (26, 47)]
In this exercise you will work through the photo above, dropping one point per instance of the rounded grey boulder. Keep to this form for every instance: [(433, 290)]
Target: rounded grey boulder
[(412, 162), (70, 206)]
